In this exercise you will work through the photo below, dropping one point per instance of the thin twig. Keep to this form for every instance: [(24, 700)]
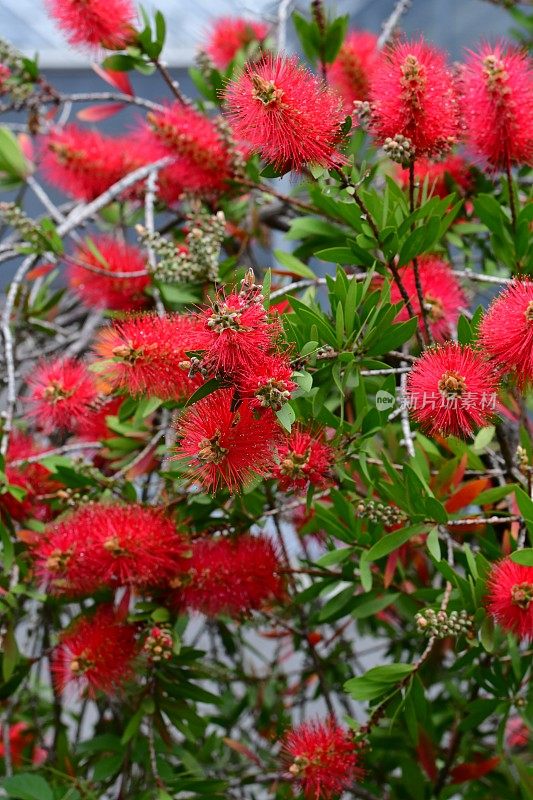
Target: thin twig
[(391, 22), (89, 97)]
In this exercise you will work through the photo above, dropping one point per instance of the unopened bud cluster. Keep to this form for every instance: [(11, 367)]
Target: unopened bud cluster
[(198, 258), (399, 149), (28, 231), (522, 459), (15, 79), (441, 624), (73, 497), (158, 645), (363, 111), (378, 512)]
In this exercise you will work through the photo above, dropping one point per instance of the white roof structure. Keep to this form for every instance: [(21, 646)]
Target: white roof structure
[(26, 24)]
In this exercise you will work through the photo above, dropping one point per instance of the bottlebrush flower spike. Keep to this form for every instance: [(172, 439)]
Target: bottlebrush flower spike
[(304, 459), (267, 382), (351, 71), (497, 105), (202, 161), (323, 759), (95, 654), (451, 390), (230, 576), (506, 331), (413, 96), (98, 290), (226, 445), (129, 545), (231, 34), (94, 23), (238, 331), (102, 545), (442, 294), (441, 175), (22, 744), (83, 163), (278, 108), (510, 597), (60, 393), (146, 354)]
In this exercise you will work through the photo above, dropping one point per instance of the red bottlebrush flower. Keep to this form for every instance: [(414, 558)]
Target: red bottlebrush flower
[(83, 163), (97, 289), (144, 354), (109, 545), (351, 71), (95, 654), (131, 545), (230, 576), (413, 95), (93, 426), (451, 390), (506, 331), (516, 732), (438, 173), (60, 393), (268, 382), (226, 445), (282, 111), (323, 759), (238, 332), (231, 34), (304, 459), (510, 597), (441, 290), (498, 105), (202, 161), (93, 23), (22, 745), (33, 478)]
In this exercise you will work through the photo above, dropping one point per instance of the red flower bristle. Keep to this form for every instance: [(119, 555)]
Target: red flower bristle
[(443, 176), (93, 23), (451, 390), (506, 331), (267, 382), (510, 597), (413, 95), (102, 545), (60, 393), (229, 35), (304, 459), (352, 70), (497, 100), (5, 74), (322, 758), (517, 733), (83, 163), (95, 654), (238, 332), (226, 445), (442, 294), (22, 745), (282, 111), (202, 161), (230, 576), (145, 355), (98, 290)]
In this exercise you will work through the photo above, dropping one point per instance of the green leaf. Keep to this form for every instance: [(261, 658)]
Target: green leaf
[(377, 681), (486, 634), (335, 34), (206, 388), (286, 416), (294, 264), (12, 161), (524, 557), (336, 255), (133, 726), (483, 438), (27, 787), (433, 544), (391, 541)]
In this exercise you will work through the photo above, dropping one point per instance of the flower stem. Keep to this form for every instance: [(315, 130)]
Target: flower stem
[(510, 185)]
